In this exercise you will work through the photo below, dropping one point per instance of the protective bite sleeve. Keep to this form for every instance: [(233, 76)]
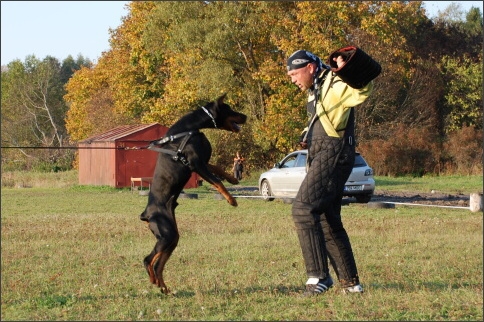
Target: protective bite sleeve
[(359, 68)]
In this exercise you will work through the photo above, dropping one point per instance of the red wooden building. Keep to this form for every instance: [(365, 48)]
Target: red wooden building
[(113, 158)]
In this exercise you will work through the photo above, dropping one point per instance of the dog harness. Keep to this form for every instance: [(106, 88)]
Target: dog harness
[(178, 155)]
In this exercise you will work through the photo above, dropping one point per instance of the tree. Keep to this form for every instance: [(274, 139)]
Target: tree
[(463, 95), (122, 87), (71, 65), (34, 89), (33, 109), (170, 57)]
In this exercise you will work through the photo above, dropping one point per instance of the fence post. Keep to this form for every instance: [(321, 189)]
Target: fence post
[(475, 202)]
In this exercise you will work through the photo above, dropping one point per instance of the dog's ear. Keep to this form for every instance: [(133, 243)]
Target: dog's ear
[(220, 100)]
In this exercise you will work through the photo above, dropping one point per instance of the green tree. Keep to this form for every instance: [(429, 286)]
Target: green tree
[(463, 95), (71, 65), (34, 89), (209, 49), (33, 110)]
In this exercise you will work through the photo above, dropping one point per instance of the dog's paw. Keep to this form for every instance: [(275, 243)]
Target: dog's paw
[(232, 180), (232, 202)]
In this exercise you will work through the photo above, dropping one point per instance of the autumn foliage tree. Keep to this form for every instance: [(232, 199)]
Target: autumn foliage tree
[(121, 87), (170, 57)]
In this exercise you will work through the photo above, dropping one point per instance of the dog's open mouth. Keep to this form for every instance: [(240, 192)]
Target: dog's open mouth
[(234, 123), (235, 127)]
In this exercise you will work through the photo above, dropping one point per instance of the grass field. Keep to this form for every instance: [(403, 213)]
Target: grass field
[(75, 253)]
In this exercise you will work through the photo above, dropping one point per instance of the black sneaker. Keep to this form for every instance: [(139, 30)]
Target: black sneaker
[(316, 289)]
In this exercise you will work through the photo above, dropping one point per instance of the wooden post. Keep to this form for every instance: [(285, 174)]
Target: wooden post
[(475, 202)]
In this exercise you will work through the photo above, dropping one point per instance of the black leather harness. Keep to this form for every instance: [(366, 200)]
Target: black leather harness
[(178, 155)]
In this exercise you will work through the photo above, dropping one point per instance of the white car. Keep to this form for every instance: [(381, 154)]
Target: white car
[(284, 179)]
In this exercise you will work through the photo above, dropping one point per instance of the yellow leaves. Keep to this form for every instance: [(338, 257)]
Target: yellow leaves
[(169, 57)]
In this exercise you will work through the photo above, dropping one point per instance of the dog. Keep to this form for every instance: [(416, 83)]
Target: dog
[(183, 150)]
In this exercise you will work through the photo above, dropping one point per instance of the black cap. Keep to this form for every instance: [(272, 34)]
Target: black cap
[(300, 59)]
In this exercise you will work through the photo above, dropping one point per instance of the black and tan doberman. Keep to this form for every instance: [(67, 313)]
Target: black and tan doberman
[(183, 150)]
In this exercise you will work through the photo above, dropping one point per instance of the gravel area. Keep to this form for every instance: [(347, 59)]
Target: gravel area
[(431, 198)]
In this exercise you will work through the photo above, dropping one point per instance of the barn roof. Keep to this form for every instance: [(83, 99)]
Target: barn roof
[(118, 133)]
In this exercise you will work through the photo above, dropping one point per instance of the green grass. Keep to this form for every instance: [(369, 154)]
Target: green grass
[(75, 253), (445, 184)]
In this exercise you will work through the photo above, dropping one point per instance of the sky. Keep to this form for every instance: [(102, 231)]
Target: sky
[(63, 28), (58, 28)]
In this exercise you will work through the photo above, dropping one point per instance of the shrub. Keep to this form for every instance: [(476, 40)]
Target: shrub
[(414, 151), (464, 150)]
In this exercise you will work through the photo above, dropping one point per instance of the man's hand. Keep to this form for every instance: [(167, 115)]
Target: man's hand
[(340, 61), (302, 140)]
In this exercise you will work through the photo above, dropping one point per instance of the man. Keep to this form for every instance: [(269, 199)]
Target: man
[(238, 167), (333, 92)]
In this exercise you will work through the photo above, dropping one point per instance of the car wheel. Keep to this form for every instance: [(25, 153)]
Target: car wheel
[(265, 191), (363, 198)]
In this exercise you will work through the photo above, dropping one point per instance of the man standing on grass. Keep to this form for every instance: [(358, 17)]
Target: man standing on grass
[(333, 92)]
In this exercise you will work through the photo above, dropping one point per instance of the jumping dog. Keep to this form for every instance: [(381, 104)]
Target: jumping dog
[(183, 150)]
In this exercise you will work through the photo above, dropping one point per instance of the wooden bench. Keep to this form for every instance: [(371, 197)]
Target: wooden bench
[(141, 180)]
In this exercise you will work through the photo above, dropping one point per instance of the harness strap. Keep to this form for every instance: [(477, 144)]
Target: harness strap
[(170, 138), (315, 116), (178, 155)]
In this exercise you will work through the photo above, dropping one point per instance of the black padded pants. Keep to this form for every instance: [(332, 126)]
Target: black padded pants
[(316, 210)]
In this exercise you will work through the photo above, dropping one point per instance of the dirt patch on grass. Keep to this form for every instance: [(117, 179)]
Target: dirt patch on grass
[(431, 198)]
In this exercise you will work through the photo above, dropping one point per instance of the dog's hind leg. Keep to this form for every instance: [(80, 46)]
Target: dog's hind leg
[(163, 225), (159, 267), (155, 264), (149, 263)]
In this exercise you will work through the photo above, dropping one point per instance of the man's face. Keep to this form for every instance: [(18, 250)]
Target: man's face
[(303, 77)]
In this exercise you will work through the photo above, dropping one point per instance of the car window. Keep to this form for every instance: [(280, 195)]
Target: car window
[(289, 162), (301, 160), (359, 161)]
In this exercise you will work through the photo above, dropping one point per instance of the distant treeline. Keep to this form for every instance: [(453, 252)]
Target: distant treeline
[(166, 58)]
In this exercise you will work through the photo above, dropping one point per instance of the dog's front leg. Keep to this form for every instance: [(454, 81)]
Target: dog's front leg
[(218, 171), (223, 191), (205, 171)]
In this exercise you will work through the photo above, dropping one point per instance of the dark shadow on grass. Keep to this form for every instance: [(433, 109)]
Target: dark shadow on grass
[(232, 292), (274, 290), (430, 286), (181, 294)]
